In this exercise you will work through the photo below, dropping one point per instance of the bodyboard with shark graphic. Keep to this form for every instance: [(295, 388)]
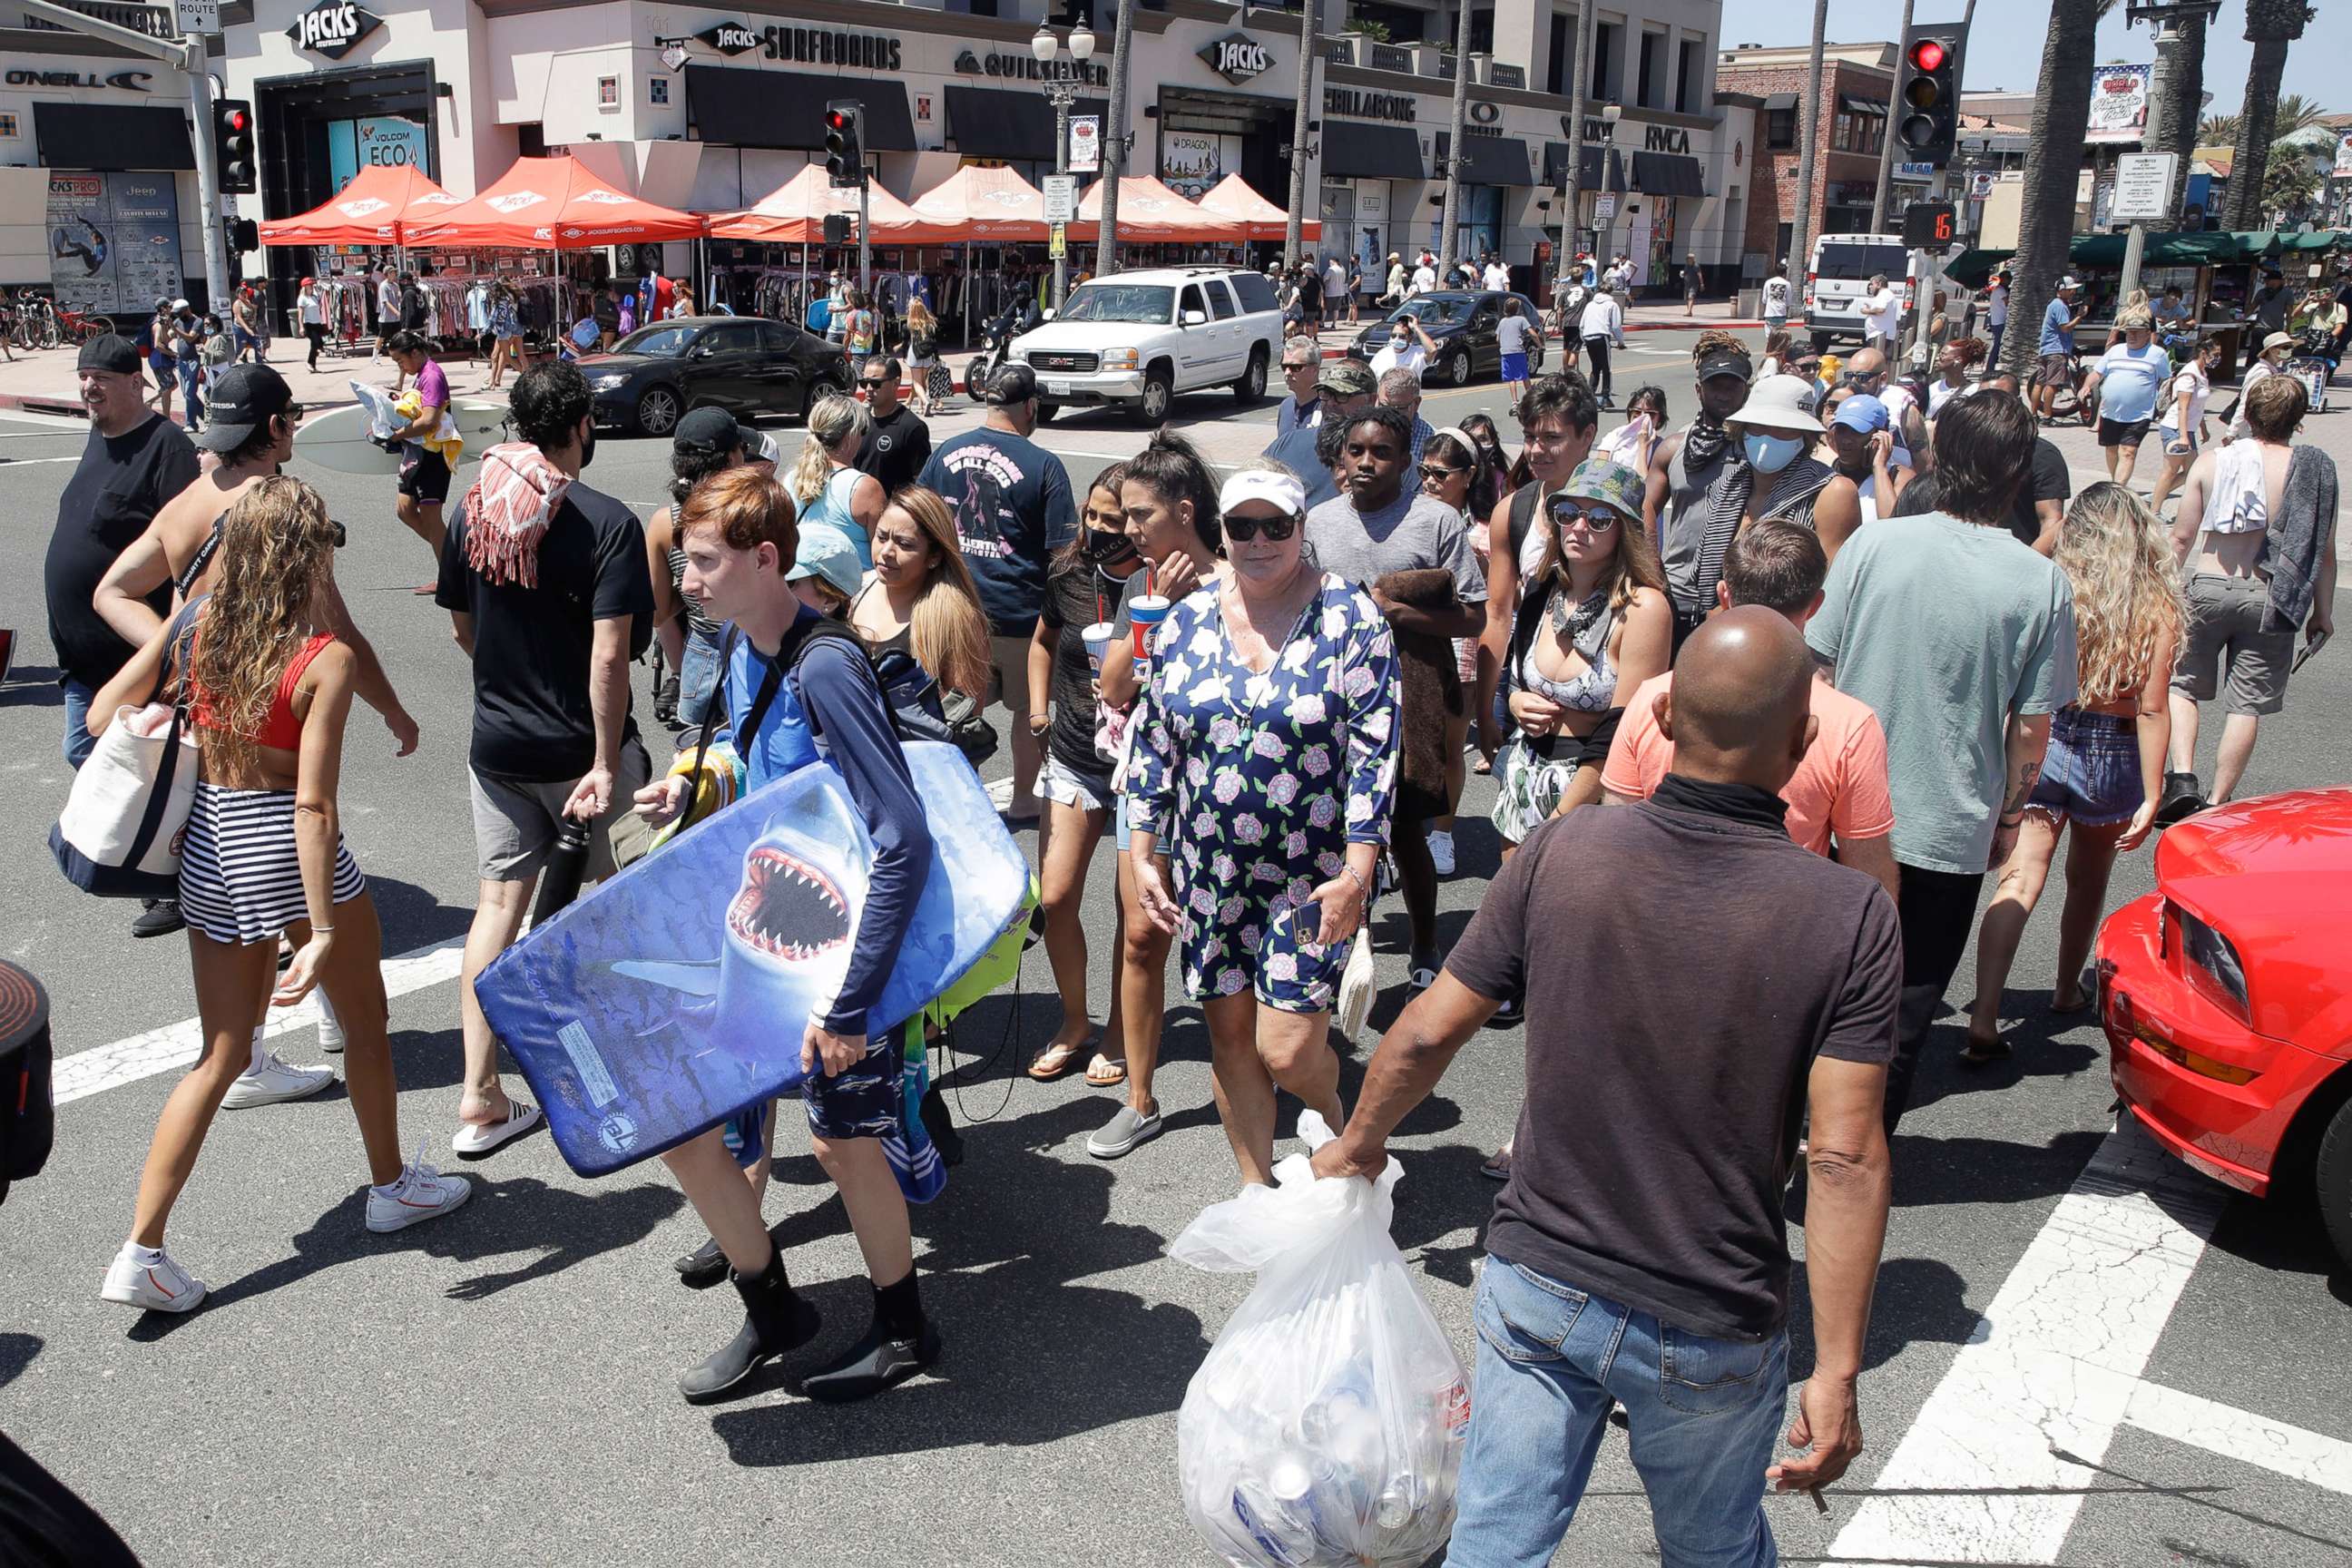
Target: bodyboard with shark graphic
[(677, 992)]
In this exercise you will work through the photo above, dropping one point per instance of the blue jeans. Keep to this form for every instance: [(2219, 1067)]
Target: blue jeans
[(191, 399), (80, 742), (698, 676), (1703, 1415)]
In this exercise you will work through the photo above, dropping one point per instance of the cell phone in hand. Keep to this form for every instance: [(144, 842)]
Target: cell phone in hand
[(2318, 640)]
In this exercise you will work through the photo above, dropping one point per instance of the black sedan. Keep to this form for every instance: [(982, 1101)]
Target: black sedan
[(747, 365), (1460, 322)]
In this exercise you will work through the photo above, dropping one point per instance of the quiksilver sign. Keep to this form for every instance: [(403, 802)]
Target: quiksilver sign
[(332, 29), (1238, 56)]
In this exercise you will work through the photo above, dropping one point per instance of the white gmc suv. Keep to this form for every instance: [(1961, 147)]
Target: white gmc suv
[(1137, 338)]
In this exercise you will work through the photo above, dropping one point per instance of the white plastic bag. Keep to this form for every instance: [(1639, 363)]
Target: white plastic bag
[(1327, 1426)]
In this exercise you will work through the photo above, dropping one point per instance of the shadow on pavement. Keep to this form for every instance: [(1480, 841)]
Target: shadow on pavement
[(1918, 1301), (2282, 1235), (16, 1354), (2042, 1045), (32, 686), (412, 918), (1929, 1171)]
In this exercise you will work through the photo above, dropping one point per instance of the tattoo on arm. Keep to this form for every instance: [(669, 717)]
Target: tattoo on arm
[(2021, 787)]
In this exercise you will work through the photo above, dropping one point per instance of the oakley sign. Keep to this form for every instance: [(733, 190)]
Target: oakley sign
[(332, 29), (1238, 56)]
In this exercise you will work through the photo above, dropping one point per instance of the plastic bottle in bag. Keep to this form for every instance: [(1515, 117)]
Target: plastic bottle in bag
[(1326, 1427)]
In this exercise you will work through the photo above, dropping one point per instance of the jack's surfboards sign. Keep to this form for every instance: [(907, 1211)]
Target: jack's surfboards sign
[(333, 29)]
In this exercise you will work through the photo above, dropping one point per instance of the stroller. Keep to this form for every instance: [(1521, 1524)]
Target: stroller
[(2314, 364)]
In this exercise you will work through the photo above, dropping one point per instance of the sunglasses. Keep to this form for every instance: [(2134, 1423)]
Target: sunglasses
[(1242, 530), (1596, 520), (871, 381), (1439, 473)]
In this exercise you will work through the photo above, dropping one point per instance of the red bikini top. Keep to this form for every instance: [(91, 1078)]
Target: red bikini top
[(279, 728)]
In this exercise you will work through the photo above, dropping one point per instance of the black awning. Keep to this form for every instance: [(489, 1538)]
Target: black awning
[(1779, 100), (1554, 166), (743, 108), (1853, 105), (1357, 150), (1668, 174), (1495, 161), (990, 122), (113, 136)]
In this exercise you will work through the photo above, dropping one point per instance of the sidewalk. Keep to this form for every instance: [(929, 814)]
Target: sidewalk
[(42, 381)]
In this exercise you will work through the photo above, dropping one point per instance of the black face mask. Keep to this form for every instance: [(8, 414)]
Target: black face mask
[(1106, 548)]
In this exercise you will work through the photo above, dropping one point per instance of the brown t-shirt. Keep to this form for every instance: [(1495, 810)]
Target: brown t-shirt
[(1681, 969)]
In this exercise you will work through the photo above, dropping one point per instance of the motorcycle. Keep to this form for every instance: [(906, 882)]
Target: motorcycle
[(996, 346)]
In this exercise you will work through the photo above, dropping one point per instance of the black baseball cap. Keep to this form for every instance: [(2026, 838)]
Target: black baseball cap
[(1011, 383), (245, 397), (1724, 362), (113, 353), (713, 432)]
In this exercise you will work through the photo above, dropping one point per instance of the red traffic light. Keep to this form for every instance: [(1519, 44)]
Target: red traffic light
[(837, 120), (236, 118), (1927, 54)]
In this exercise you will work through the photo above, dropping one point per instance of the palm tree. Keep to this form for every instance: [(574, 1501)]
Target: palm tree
[(1801, 245), (2271, 27), (2061, 113), (2184, 95), (1886, 141), (2294, 113)]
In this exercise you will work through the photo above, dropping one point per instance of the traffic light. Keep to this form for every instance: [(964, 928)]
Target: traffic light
[(1928, 94), (1929, 225), (243, 233), (232, 160), (844, 154)]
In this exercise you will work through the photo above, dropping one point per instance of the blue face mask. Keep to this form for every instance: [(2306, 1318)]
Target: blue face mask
[(1770, 454)]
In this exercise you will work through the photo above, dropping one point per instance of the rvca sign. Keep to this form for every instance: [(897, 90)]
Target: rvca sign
[(332, 29)]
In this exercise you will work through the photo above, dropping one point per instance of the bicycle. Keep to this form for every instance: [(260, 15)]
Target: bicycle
[(78, 327)]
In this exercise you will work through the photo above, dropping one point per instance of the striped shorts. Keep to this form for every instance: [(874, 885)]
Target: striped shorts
[(240, 879)]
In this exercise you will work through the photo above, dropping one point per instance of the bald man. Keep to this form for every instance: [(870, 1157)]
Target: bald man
[(1637, 1251), (1868, 372)]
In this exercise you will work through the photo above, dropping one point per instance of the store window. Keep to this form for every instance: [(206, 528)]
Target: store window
[(1645, 80), (1478, 222), (1780, 128), (1688, 63), (1601, 82), (1860, 126)]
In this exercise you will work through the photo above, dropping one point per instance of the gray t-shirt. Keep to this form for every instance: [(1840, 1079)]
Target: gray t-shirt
[(1946, 628), (1413, 532)]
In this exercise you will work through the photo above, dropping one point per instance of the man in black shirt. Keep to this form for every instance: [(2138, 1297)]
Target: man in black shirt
[(898, 445), (135, 461), (1638, 1252), (2040, 509), (550, 606)]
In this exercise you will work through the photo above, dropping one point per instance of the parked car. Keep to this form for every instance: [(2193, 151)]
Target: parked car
[(746, 363), (1137, 339), (2228, 1005), (1837, 280), (1460, 322)]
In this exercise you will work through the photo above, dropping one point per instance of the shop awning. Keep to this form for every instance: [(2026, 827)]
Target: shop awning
[(1668, 174), (794, 214), (993, 122), (552, 203), (1356, 150), (985, 204), (1245, 214), (744, 108), (1850, 104), (368, 211), (1774, 101), (1151, 213), (1495, 161), (113, 136), (2188, 248), (1589, 177)]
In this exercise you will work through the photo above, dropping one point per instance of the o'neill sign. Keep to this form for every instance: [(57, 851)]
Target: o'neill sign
[(332, 29)]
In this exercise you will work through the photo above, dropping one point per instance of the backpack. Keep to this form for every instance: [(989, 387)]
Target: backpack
[(917, 709), (28, 1119)]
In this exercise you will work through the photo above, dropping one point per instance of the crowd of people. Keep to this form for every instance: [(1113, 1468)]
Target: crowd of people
[(1766, 697)]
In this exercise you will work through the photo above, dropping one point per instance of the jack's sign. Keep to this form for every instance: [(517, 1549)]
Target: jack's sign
[(332, 29)]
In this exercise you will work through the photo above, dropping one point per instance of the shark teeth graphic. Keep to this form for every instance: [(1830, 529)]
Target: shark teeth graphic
[(787, 910)]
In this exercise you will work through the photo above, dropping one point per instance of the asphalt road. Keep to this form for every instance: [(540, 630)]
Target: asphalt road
[(502, 1382)]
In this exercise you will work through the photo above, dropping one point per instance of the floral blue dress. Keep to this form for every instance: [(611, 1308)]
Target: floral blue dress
[(1258, 783)]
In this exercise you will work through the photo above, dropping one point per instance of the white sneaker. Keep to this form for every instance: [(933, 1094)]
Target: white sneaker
[(330, 1034), (161, 1286), (1440, 852), (421, 1193), (269, 1080)]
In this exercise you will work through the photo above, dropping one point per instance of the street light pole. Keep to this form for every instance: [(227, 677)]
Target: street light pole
[(1115, 140), (1301, 118), (1452, 212), (1062, 91)]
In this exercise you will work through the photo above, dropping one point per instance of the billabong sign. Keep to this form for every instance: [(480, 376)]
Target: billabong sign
[(332, 29), (729, 37), (1238, 56)]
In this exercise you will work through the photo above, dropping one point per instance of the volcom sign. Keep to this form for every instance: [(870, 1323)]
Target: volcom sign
[(332, 29), (1238, 56)]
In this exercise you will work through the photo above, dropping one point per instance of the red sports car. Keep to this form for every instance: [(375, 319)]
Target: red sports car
[(2227, 998)]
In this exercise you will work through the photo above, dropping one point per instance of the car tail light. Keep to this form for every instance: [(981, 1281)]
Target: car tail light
[(2210, 964)]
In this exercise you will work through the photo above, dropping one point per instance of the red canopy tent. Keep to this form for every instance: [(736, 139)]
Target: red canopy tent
[(794, 214), (551, 202), (369, 210), (1151, 213), (996, 204), (1244, 214)]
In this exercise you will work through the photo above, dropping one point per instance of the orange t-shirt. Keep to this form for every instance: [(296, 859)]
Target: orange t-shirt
[(1840, 787)]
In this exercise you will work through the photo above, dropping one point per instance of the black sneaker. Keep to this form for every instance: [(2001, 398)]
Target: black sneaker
[(704, 1266), (871, 1365), (2181, 799), (158, 917)]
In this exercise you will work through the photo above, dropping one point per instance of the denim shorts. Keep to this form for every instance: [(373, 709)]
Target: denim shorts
[(2090, 774), (698, 676), (1064, 785)]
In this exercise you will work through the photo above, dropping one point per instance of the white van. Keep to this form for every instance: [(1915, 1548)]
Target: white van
[(1837, 279)]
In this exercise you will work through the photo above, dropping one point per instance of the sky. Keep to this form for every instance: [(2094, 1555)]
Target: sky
[(2005, 41)]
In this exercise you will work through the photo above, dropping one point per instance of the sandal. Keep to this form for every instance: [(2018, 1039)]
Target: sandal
[(1103, 1073), (2061, 1009), (1498, 1167), (1057, 1061), (1984, 1052)]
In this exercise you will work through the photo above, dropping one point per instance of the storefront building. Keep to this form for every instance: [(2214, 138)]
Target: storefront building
[(98, 190), (711, 108), (1856, 84)]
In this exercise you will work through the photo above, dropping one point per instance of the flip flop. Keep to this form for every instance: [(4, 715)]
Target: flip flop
[(1977, 1054), (1103, 1073), (1058, 1061), (2084, 1005)]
